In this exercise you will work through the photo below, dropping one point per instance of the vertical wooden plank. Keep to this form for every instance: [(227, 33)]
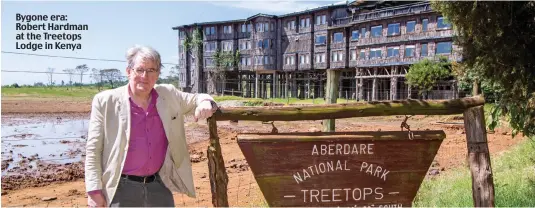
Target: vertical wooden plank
[(256, 88), (374, 85), (333, 77), (216, 167), (478, 157)]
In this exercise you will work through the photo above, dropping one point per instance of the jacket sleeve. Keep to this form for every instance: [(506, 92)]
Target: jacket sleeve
[(190, 101), (95, 140)]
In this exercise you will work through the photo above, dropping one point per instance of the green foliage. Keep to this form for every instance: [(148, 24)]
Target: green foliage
[(513, 182), (194, 40), (426, 73), (46, 92), (497, 39)]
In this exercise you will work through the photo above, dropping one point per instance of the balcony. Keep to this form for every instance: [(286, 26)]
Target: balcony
[(387, 13), (406, 37), (393, 12), (391, 61)]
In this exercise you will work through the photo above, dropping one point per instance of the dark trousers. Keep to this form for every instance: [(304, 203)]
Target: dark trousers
[(138, 194)]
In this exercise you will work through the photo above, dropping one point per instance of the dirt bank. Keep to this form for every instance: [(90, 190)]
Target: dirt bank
[(14, 105)]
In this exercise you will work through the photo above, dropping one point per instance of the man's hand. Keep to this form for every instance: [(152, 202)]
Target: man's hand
[(96, 200), (204, 110)]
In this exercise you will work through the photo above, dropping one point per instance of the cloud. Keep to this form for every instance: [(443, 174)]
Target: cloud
[(271, 7)]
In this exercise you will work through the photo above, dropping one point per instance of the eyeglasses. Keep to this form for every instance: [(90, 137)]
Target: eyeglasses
[(150, 71)]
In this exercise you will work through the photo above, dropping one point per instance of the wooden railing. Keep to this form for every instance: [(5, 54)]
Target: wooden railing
[(405, 37), (471, 107)]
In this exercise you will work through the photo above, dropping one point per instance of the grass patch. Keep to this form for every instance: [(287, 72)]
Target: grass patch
[(46, 92), (514, 182)]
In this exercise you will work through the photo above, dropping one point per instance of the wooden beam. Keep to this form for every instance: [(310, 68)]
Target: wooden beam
[(333, 78), (348, 110), (478, 157), (216, 167)]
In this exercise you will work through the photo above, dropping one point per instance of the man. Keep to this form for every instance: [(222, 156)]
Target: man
[(136, 148)]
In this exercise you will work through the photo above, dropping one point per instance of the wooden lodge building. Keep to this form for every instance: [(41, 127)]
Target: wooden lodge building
[(373, 44)]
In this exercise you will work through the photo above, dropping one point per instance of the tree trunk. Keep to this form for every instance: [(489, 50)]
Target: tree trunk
[(216, 167), (333, 77), (478, 157)]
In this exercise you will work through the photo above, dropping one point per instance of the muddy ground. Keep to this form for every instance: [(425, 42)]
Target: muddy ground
[(63, 183)]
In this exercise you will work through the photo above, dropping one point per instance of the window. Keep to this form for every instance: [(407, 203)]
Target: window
[(320, 57), (302, 25), (227, 46), (337, 56), (392, 52), (291, 25), (423, 51), (424, 25), (266, 60), (292, 60), (209, 31), (272, 26), (362, 54), (260, 43), (249, 27), (375, 53), (302, 59), (323, 19), (243, 28), (266, 43), (208, 62), (338, 37), (307, 22), (210, 47), (248, 45), (353, 55), (355, 35), (393, 29), (377, 31), (227, 29), (307, 59), (410, 26), (443, 48), (320, 40), (259, 27), (249, 61), (442, 23), (363, 32), (409, 51), (266, 27)]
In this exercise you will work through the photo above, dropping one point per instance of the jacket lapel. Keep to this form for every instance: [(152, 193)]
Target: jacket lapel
[(124, 111), (162, 112)]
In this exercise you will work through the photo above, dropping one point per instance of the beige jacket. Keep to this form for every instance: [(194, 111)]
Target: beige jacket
[(109, 134)]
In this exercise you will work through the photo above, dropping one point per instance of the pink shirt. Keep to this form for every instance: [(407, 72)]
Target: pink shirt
[(148, 143)]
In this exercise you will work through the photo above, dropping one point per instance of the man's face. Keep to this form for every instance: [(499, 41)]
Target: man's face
[(143, 76)]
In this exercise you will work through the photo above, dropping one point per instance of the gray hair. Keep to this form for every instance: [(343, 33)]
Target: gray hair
[(138, 53)]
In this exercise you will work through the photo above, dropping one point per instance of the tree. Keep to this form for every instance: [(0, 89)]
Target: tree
[(50, 73), (111, 75), (70, 72), (223, 61), (96, 76), (81, 69), (497, 39), (426, 73)]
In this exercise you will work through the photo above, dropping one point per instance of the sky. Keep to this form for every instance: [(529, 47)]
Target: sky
[(113, 27)]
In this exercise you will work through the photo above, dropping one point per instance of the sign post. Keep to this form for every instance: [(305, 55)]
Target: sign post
[(340, 168)]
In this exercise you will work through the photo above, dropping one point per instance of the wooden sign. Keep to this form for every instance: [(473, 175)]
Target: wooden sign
[(372, 169)]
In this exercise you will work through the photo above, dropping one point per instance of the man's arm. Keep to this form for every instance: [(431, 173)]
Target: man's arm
[(190, 101), (93, 160)]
